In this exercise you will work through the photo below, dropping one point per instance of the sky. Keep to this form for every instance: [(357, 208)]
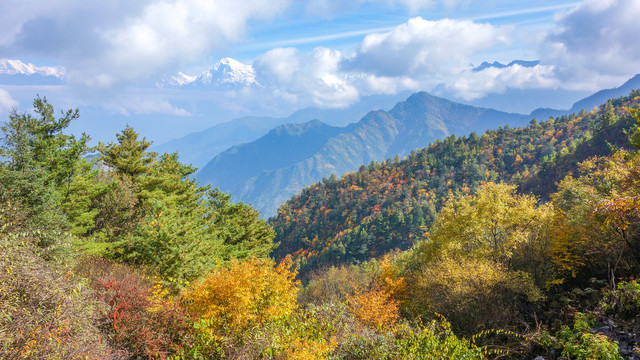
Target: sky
[(320, 53)]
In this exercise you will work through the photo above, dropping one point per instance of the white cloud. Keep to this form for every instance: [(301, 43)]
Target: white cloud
[(372, 84), (15, 14), (416, 55), (7, 103), (306, 79), (472, 85), (106, 43), (166, 33), (595, 45), (426, 50)]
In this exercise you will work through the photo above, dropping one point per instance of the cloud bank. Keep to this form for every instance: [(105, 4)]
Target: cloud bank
[(111, 44), (595, 44), (419, 54), (108, 43)]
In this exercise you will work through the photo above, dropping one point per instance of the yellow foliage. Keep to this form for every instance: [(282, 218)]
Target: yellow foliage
[(495, 223), (243, 294), (374, 308), (392, 281), (600, 214), (302, 348), (159, 297), (472, 293)]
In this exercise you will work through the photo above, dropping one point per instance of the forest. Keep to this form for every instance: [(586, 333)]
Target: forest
[(512, 244)]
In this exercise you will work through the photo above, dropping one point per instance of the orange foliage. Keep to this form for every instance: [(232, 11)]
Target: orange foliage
[(392, 282), (374, 308), (620, 212)]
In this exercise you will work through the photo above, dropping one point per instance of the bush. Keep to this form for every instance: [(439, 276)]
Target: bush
[(141, 319), (45, 312), (242, 295), (473, 294), (435, 341), (580, 344), (374, 308), (334, 284), (299, 336), (624, 301)]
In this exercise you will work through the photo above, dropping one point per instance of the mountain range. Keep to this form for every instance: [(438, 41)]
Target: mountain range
[(499, 65), (292, 156), (308, 152), (200, 147), (592, 101)]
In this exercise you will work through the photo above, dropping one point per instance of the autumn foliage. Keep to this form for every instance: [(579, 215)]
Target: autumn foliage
[(505, 237), (243, 294), (141, 319)]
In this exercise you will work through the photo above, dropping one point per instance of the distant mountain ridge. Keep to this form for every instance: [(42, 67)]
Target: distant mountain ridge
[(591, 101), (200, 147), (495, 64), (380, 134)]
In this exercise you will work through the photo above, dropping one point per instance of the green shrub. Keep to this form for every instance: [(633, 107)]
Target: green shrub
[(580, 344), (435, 341), (624, 301)]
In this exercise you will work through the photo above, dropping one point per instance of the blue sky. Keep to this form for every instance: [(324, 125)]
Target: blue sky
[(345, 29), (322, 53)]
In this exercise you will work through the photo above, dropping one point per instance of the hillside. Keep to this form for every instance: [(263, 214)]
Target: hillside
[(410, 124), (391, 204)]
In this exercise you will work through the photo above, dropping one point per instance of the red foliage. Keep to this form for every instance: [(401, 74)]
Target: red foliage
[(140, 322)]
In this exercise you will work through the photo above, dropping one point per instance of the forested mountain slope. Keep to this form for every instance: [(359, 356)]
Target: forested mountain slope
[(390, 205), (411, 124)]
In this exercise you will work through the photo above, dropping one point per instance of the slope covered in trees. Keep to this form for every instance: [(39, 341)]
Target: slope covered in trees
[(391, 204)]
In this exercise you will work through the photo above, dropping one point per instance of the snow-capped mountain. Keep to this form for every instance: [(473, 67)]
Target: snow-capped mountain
[(226, 74), (17, 67)]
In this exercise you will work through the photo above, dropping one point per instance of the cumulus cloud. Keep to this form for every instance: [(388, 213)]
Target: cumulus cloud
[(594, 45), (472, 85), (419, 54), (425, 49), (110, 42), (313, 78)]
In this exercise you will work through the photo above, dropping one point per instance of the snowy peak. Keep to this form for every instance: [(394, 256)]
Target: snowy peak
[(228, 73), (17, 67)]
